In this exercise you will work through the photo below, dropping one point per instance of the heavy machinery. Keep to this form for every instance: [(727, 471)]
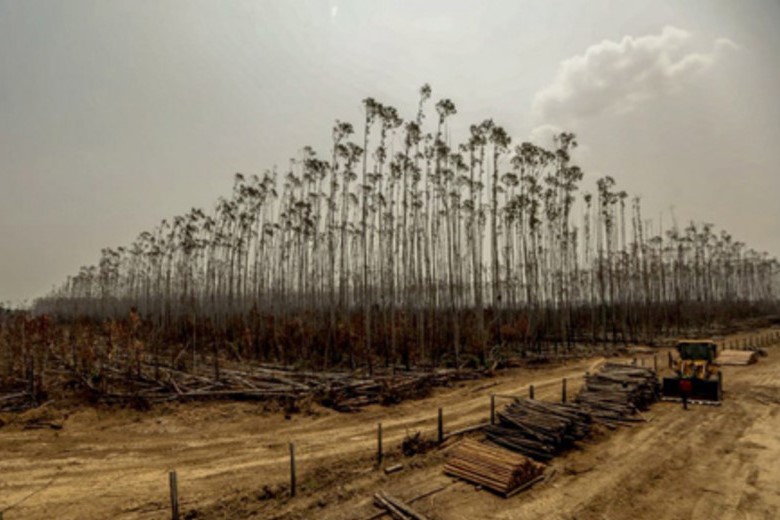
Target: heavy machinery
[(697, 378)]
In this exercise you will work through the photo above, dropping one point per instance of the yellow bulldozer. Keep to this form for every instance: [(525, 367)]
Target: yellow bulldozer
[(697, 378)]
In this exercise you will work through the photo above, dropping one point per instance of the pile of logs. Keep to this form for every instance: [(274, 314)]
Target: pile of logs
[(494, 468), (617, 392), (17, 395), (16, 402), (537, 429), (610, 397), (350, 393), (141, 382), (396, 508), (737, 357)]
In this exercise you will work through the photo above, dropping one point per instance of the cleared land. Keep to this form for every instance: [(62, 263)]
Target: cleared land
[(707, 462)]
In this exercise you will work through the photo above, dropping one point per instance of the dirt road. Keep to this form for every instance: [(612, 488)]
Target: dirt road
[(704, 463), (115, 463)]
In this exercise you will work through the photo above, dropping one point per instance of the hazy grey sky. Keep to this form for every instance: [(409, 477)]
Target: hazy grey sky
[(117, 114)]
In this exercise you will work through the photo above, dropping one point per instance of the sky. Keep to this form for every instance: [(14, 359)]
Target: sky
[(117, 114)]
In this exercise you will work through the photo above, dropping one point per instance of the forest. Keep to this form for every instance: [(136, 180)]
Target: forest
[(397, 248)]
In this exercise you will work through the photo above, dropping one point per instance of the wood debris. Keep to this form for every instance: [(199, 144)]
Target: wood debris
[(15, 401), (396, 508), (147, 382), (393, 469), (415, 444)]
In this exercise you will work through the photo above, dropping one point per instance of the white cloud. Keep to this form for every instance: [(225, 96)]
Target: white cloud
[(616, 77), (543, 135)]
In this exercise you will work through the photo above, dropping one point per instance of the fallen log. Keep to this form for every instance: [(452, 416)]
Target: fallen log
[(412, 500), (396, 508), (393, 469)]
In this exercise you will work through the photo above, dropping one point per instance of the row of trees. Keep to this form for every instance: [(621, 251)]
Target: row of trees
[(398, 245)]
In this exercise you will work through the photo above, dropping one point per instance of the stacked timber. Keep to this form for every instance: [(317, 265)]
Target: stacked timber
[(537, 429), (617, 392), (495, 468), (736, 357)]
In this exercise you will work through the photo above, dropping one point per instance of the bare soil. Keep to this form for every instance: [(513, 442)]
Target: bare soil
[(232, 458)]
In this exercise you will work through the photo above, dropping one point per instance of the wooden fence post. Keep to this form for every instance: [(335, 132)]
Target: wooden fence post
[(440, 435), (492, 411), (174, 486), (292, 470), (531, 392), (563, 391), (379, 453), (655, 363)]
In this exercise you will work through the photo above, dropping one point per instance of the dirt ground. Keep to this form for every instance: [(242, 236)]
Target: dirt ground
[(232, 458)]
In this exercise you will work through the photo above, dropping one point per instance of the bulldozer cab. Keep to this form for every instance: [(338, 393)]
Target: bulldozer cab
[(697, 350)]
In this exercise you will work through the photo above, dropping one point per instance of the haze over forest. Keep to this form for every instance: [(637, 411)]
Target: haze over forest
[(116, 115)]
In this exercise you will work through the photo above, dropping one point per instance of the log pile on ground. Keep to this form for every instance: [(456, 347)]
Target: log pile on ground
[(537, 429), (347, 394), (495, 468), (617, 392), (16, 396), (16, 402), (610, 397), (397, 509), (140, 382), (737, 357)]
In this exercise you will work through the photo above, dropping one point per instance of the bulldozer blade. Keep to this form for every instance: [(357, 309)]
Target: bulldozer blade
[(702, 391)]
